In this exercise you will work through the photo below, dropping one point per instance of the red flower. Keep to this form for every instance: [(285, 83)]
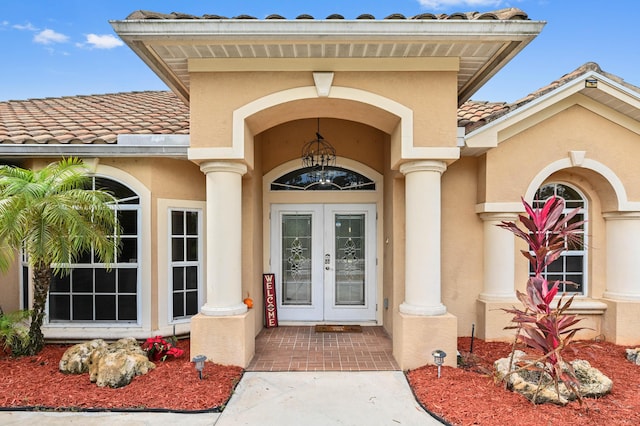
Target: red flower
[(157, 348)]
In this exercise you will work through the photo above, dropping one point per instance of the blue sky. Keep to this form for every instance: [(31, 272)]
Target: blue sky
[(67, 47)]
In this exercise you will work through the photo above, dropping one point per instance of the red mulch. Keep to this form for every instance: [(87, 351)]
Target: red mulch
[(469, 396), (173, 385), (462, 396)]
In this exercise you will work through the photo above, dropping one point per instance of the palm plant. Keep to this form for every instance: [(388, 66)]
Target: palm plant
[(540, 325), (54, 216)]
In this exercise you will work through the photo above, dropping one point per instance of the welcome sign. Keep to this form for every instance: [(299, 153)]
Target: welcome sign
[(270, 311)]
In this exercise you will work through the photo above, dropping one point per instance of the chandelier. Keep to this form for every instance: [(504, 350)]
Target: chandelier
[(318, 154)]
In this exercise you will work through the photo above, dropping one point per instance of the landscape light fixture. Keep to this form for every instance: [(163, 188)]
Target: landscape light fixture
[(438, 359), (199, 360)]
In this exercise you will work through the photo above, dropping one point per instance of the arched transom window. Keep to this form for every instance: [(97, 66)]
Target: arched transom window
[(570, 267), (329, 178)]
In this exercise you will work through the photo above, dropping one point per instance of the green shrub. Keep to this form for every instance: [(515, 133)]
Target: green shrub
[(14, 332)]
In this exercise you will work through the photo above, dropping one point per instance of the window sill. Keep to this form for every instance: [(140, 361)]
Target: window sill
[(584, 306)]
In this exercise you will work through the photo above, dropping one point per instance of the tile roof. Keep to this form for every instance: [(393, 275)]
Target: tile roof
[(96, 119), (481, 113), (92, 119), (510, 13)]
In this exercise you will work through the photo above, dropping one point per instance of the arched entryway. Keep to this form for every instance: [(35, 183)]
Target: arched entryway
[(322, 242)]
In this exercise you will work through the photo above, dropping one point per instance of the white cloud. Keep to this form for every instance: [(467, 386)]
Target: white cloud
[(49, 37), (106, 41), (443, 4), (26, 27)]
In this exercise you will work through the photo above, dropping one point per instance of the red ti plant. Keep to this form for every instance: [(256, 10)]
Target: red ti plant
[(543, 325)]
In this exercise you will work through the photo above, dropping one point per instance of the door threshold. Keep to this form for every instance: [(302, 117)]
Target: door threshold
[(313, 323)]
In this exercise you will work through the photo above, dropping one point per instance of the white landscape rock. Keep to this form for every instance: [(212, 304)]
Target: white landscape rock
[(593, 383), (633, 355), (113, 365)]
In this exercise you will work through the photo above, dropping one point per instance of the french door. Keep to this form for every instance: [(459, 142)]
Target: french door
[(324, 260)]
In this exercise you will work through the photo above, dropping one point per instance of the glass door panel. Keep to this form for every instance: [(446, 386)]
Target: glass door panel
[(297, 250), (350, 259), (324, 260), (350, 278)]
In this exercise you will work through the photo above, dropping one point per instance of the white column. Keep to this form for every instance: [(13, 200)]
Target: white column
[(224, 238), (623, 256), (499, 259), (422, 230)]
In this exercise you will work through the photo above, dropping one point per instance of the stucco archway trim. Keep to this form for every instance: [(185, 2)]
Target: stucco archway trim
[(401, 134), (621, 195), (623, 204)]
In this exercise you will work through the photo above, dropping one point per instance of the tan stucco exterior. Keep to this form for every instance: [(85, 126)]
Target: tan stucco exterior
[(443, 268)]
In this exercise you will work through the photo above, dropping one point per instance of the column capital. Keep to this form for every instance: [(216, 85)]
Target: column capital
[(423, 166), (223, 166), (499, 216), (633, 215)]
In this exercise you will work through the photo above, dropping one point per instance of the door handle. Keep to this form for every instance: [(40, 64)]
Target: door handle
[(327, 261)]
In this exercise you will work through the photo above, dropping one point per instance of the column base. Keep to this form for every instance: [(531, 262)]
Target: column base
[(213, 311), (409, 309), (492, 320), (621, 322), (227, 340), (415, 337)]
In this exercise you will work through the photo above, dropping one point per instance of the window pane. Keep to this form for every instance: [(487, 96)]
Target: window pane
[(128, 250), (178, 305), (192, 223), (192, 277), (127, 280), (574, 263), (556, 266), (83, 307), (177, 223), (105, 281), (192, 303), (128, 221), (106, 307), (85, 257), (59, 284), (127, 308), (82, 280), (192, 249), (59, 307), (177, 249), (178, 278)]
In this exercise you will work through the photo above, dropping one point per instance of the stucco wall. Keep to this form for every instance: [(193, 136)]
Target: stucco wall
[(433, 94), (462, 243), (520, 158)]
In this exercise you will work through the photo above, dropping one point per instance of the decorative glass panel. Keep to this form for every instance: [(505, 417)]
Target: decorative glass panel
[(328, 179), (296, 259), (350, 259)]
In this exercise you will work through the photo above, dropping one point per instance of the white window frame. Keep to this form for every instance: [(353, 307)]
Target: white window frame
[(581, 252), (115, 266), (115, 331), (171, 263)]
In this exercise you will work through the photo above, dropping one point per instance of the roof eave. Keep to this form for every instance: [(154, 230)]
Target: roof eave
[(140, 34)]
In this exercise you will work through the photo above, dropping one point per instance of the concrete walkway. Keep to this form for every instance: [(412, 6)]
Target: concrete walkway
[(279, 399)]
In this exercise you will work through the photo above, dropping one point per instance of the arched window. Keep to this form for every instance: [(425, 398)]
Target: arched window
[(327, 179), (93, 294), (570, 268)]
